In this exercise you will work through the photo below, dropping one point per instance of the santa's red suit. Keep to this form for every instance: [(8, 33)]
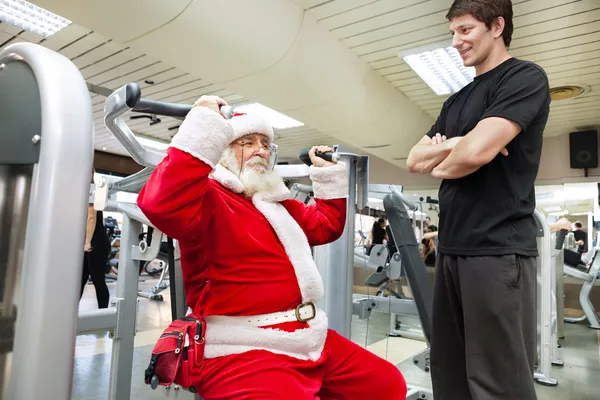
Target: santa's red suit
[(247, 267)]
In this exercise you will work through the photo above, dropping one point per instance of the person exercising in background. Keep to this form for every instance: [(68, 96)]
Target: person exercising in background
[(428, 246), (580, 238), (96, 251), (378, 234), (486, 146), (248, 268)]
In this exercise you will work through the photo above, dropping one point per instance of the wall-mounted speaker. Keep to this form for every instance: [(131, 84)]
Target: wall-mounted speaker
[(583, 149)]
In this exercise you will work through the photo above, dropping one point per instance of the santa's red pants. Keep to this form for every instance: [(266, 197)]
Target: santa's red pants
[(344, 371)]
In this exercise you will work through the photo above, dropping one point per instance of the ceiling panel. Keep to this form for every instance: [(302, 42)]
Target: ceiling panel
[(562, 36), (110, 64)]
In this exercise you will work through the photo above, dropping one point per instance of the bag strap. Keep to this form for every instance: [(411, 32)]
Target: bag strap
[(171, 260)]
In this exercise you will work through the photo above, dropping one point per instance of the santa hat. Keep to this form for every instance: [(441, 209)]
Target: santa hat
[(244, 124)]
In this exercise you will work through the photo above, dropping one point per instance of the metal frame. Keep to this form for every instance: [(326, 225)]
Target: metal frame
[(44, 344), (589, 311), (547, 342), (333, 260)]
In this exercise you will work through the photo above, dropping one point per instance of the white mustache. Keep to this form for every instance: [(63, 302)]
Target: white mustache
[(256, 161)]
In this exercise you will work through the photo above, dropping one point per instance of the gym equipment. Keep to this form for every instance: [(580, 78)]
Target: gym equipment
[(334, 261), (588, 275), (547, 337), (328, 155), (46, 115)]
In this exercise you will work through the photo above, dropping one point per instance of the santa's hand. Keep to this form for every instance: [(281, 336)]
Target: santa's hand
[(212, 102), (318, 161)]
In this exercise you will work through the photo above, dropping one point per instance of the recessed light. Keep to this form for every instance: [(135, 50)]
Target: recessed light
[(32, 18), (567, 92), (104, 148), (440, 67)]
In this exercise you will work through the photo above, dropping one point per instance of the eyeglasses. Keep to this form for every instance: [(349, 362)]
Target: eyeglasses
[(256, 145)]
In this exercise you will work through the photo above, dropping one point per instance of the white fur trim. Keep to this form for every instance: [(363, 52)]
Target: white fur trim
[(296, 246), (246, 124), (304, 344), (227, 178), (204, 134), (330, 182)]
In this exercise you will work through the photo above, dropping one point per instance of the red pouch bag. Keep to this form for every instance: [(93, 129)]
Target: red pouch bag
[(192, 353), (178, 354)]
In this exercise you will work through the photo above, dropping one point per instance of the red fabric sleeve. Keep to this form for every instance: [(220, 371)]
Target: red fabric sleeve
[(176, 195), (322, 222)]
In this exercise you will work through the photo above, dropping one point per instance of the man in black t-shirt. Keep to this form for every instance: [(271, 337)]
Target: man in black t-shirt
[(580, 237), (486, 146)]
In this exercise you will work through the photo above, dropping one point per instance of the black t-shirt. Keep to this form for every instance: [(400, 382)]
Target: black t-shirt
[(490, 212), (581, 235), (378, 235)]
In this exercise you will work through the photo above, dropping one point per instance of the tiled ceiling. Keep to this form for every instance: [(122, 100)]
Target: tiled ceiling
[(562, 36), (109, 64)]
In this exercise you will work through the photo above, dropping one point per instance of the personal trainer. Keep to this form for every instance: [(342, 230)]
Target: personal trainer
[(247, 265), (486, 146)]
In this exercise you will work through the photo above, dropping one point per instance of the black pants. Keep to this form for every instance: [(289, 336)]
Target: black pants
[(484, 328), (94, 265)]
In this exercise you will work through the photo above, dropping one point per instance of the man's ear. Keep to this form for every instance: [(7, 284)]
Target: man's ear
[(498, 27)]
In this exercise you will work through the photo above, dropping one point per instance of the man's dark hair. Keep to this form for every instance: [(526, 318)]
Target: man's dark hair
[(486, 11), (578, 224)]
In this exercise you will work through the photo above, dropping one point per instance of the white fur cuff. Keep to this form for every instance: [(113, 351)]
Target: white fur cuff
[(204, 134), (330, 182)]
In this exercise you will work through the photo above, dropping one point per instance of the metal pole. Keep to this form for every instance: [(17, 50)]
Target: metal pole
[(559, 261), (545, 270), (15, 187), (335, 262), (126, 304)]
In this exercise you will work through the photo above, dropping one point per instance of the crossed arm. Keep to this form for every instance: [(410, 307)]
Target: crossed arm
[(460, 156)]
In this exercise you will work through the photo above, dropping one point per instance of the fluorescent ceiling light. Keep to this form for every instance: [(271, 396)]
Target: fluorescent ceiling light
[(441, 68), (32, 18), (275, 118), (553, 208), (153, 144), (559, 213)]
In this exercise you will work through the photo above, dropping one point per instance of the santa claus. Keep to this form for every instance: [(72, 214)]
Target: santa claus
[(247, 264)]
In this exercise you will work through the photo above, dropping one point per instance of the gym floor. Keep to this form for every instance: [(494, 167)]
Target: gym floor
[(578, 379)]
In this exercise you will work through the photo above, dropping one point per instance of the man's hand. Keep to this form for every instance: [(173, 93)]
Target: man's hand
[(212, 102), (318, 161), (437, 139), (87, 247), (563, 224)]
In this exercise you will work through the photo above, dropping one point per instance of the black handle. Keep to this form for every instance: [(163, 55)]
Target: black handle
[(305, 158), (560, 239), (133, 99)]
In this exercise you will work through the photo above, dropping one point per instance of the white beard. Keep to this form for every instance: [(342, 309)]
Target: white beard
[(253, 181)]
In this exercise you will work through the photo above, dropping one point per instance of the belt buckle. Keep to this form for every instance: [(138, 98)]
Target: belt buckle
[(314, 312)]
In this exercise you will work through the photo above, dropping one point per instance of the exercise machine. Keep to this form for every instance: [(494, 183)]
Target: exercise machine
[(46, 149), (588, 275), (547, 314)]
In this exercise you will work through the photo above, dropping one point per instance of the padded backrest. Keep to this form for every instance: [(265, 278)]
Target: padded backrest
[(412, 262)]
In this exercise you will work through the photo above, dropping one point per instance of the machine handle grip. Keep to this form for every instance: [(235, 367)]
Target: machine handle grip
[(134, 101), (560, 239), (128, 97), (328, 156)]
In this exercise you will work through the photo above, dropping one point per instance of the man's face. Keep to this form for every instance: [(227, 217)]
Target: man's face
[(252, 151), (473, 40)]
